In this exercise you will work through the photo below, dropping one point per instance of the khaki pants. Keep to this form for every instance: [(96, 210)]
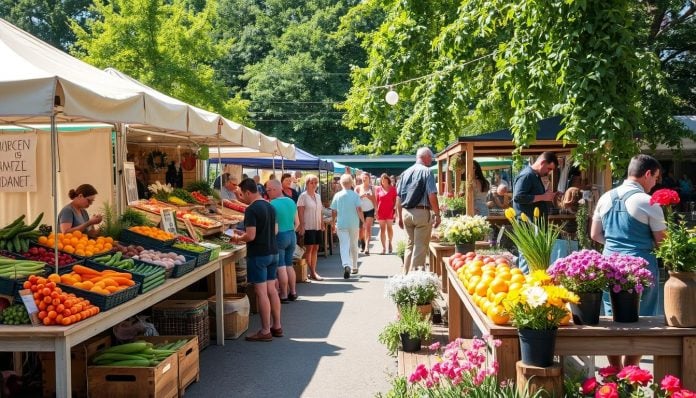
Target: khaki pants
[(418, 225)]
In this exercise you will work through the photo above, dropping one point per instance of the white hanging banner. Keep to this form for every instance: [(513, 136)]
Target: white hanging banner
[(18, 162)]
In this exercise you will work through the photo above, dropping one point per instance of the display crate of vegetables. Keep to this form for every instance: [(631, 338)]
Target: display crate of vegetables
[(187, 352), (176, 264), (106, 289), (15, 237), (147, 275), (134, 370), (201, 253), (13, 273), (16, 314), (58, 307), (47, 255), (151, 236)]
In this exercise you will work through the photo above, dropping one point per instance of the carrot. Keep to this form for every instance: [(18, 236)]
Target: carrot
[(123, 281), (80, 269)]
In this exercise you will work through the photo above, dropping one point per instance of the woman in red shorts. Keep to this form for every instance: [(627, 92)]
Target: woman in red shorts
[(386, 203)]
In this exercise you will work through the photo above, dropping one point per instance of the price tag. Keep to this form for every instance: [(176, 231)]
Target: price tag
[(191, 230), (30, 305), (168, 221)]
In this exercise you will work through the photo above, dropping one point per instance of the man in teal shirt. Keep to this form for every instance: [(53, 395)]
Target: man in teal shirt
[(346, 216)]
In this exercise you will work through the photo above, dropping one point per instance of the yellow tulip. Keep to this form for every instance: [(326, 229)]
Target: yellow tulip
[(537, 213), (510, 213), (524, 217)]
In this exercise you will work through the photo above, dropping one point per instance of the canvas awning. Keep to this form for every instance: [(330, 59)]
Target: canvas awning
[(303, 161)]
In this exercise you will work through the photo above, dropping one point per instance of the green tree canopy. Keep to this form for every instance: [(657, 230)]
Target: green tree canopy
[(166, 45)]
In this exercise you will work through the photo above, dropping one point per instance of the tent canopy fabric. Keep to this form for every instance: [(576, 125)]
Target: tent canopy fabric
[(303, 160), (38, 80)]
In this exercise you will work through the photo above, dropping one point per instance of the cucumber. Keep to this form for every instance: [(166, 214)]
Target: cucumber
[(3, 244), (115, 356), (12, 232), (33, 225), (10, 246), (115, 258), (102, 259), (25, 245), (133, 363), (11, 225), (16, 244), (129, 348)]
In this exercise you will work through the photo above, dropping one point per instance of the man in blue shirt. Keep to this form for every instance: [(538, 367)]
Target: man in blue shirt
[(529, 191), (417, 208)]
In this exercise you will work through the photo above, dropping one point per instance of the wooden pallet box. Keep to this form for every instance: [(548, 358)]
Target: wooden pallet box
[(135, 382), (188, 355), (79, 355)]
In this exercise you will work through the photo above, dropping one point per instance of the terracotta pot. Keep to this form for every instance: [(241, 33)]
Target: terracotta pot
[(680, 296)]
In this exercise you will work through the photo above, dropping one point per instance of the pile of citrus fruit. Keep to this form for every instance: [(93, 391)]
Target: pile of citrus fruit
[(152, 232), (488, 279), (78, 243), (57, 307)]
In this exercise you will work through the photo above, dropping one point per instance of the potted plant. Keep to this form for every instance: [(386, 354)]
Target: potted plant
[(415, 288), (678, 253), (410, 330), (454, 206), (464, 231), (627, 278), (536, 311), (533, 238), (583, 273)]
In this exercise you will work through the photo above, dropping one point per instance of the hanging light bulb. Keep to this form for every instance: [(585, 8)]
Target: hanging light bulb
[(149, 138), (392, 96)]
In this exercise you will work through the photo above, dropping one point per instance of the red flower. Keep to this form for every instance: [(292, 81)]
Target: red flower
[(670, 384), (634, 375), (665, 197), (608, 371), (589, 386), (609, 390)]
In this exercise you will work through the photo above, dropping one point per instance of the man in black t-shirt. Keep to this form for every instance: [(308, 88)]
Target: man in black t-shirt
[(262, 259)]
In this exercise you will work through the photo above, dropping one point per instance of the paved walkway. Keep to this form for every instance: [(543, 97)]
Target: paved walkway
[(330, 346)]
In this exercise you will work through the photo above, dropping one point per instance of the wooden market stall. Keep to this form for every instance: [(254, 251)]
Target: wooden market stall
[(498, 144)]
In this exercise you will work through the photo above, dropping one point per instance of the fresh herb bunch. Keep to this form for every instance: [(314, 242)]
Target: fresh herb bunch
[(183, 195), (111, 225), (132, 217), (411, 322), (200, 186)]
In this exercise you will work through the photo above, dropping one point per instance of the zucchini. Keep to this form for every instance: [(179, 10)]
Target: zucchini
[(115, 356), (25, 245), (11, 225), (10, 247), (33, 225), (129, 348), (12, 232), (133, 363), (16, 244)]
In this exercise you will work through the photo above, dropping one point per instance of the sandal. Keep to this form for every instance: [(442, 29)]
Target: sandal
[(259, 337)]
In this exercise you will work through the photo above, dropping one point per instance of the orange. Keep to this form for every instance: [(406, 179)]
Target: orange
[(517, 278), (496, 313), (481, 289), (77, 234), (499, 285), (514, 286), (43, 240)]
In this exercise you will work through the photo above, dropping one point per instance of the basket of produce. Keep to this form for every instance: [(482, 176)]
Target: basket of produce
[(15, 314), (13, 273), (150, 236), (201, 253), (78, 244), (136, 354), (47, 255), (106, 289), (16, 236), (176, 264), (214, 249), (58, 307), (149, 276)]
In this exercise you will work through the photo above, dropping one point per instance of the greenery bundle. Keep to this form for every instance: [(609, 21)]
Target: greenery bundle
[(534, 239), (410, 322)]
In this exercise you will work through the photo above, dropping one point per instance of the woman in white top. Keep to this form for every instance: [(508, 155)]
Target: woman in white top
[(311, 223), (368, 202)]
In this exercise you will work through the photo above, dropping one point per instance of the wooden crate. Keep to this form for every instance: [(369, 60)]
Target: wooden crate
[(235, 323), (79, 355), (229, 277), (135, 382), (188, 354)]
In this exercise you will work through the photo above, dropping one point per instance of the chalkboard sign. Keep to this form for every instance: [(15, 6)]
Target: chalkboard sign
[(130, 181), (168, 220)]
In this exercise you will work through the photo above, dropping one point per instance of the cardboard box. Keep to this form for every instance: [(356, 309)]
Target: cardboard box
[(79, 355), (300, 267), (188, 355), (135, 382), (236, 320)]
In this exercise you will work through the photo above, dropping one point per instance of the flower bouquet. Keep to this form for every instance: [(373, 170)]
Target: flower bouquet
[(627, 279), (630, 381), (537, 310), (465, 230), (534, 238), (414, 288), (584, 273)]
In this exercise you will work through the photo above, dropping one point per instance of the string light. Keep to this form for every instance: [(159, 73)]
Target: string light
[(392, 96)]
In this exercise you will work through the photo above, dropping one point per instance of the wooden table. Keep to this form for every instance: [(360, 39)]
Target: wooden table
[(437, 252), (60, 339), (673, 349)]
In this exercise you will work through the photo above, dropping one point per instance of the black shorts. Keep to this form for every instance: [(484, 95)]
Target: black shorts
[(369, 213), (312, 237)]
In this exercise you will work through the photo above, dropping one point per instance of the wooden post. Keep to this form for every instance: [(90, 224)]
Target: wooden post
[(469, 185), (533, 379)]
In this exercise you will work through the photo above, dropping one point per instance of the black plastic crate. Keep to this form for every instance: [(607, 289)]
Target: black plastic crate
[(104, 302), (178, 270), (142, 240), (142, 279), (51, 265), (202, 258)]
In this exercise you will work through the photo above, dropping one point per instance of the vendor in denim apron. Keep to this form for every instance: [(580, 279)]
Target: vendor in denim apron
[(625, 222)]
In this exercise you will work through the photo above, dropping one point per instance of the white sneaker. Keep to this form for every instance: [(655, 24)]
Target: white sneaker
[(354, 271)]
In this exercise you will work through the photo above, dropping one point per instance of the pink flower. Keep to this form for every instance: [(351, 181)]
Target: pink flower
[(608, 371), (670, 383), (684, 394), (435, 346), (589, 386), (635, 375), (609, 390)]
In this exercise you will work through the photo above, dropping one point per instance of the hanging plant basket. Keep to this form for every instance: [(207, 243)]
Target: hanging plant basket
[(157, 160)]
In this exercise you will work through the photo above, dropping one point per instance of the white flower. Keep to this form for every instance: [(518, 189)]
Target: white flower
[(536, 296)]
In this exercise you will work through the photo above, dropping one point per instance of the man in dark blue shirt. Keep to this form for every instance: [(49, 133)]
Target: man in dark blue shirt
[(529, 191)]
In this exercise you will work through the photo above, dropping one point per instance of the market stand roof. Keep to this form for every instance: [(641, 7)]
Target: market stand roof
[(38, 80), (302, 161)]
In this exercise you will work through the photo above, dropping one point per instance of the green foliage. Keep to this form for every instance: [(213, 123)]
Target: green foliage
[(678, 249), (534, 238), (131, 217), (401, 249), (200, 186), (456, 204), (582, 218), (183, 195), (166, 45), (110, 224), (410, 322)]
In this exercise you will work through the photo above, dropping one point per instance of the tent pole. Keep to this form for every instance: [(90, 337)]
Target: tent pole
[(222, 203), (118, 160), (54, 182)]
